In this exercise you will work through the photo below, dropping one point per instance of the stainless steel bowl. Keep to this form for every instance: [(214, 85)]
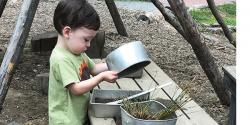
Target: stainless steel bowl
[(128, 58)]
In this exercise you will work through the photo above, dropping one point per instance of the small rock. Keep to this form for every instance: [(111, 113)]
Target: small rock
[(34, 70), (2, 122), (13, 123)]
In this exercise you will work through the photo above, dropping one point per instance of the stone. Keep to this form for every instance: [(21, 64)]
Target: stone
[(44, 42), (13, 123), (43, 80)]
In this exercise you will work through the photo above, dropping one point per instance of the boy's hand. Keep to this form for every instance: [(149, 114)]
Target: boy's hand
[(109, 76)]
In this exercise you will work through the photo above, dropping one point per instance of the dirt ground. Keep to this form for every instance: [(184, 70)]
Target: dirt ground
[(25, 103)]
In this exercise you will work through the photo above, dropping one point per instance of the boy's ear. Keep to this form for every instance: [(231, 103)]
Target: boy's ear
[(66, 30)]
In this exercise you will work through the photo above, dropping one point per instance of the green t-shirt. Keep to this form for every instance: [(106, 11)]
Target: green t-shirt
[(66, 108)]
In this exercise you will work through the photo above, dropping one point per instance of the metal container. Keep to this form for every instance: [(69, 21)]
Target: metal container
[(128, 58), (99, 98), (154, 106)]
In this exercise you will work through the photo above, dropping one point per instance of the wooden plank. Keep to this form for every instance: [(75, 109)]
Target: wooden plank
[(146, 83), (108, 86), (230, 71), (198, 115), (161, 78), (127, 84), (182, 119), (195, 112), (230, 82)]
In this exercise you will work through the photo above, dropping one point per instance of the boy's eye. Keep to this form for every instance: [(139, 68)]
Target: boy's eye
[(86, 40)]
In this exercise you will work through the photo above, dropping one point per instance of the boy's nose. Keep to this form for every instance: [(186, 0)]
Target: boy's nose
[(88, 44)]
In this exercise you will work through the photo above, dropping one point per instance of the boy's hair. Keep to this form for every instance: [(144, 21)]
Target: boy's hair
[(75, 14)]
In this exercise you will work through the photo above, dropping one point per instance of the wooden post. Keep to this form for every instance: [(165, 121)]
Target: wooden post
[(200, 49), (116, 17), (16, 46), (230, 82), (2, 6), (219, 19), (169, 16)]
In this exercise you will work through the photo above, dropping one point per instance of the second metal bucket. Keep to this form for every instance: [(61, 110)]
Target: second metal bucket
[(154, 106)]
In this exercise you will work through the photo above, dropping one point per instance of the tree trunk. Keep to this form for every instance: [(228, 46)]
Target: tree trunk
[(202, 52), (2, 6), (116, 17), (219, 19), (16, 45), (169, 16)]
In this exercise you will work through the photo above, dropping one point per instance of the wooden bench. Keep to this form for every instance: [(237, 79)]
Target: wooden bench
[(153, 76), (47, 41), (230, 83)]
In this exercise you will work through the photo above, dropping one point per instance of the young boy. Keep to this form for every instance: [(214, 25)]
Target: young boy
[(76, 22)]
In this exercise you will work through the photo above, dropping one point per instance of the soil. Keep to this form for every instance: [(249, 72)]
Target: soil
[(25, 103)]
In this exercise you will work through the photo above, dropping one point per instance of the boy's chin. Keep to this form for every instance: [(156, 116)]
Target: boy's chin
[(78, 53), (83, 51)]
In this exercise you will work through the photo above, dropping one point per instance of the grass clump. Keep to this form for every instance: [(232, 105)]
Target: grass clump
[(143, 111), (205, 16)]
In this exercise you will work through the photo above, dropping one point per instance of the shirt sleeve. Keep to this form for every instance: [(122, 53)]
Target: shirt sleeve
[(67, 73)]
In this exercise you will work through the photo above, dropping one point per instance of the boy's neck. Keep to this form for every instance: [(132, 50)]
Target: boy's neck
[(61, 42)]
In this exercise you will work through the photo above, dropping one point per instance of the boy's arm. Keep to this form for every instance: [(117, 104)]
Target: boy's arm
[(98, 68), (87, 85)]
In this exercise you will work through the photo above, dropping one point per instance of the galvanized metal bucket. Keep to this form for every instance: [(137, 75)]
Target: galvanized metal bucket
[(128, 58), (154, 106), (103, 110)]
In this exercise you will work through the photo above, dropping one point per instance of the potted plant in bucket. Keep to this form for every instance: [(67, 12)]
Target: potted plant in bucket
[(152, 112)]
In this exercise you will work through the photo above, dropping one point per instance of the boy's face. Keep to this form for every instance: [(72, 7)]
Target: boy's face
[(79, 39)]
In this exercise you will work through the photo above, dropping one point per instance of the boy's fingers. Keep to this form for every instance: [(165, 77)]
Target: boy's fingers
[(112, 81), (115, 73)]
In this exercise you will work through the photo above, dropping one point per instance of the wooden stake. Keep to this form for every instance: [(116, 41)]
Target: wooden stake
[(116, 17), (2, 6), (16, 46)]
